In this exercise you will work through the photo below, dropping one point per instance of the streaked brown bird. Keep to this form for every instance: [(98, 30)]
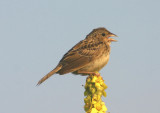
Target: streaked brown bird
[(87, 57)]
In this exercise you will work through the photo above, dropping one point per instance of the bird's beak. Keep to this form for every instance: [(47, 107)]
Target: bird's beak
[(112, 35), (111, 39)]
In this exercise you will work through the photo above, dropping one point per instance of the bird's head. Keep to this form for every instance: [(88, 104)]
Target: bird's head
[(102, 34)]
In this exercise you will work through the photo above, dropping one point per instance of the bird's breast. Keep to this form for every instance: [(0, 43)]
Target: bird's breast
[(97, 64)]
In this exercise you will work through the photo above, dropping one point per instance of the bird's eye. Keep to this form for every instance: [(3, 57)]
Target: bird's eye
[(103, 34)]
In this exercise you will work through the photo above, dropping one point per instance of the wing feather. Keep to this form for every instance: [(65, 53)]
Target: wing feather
[(79, 56)]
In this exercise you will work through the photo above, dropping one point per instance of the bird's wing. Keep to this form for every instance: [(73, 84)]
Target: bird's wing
[(80, 55)]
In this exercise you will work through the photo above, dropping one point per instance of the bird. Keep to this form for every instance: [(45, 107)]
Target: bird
[(87, 57)]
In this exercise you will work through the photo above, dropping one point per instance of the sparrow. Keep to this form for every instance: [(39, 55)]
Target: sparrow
[(86, 57)]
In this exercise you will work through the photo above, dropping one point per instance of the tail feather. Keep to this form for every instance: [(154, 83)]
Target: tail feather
[(50, 74)]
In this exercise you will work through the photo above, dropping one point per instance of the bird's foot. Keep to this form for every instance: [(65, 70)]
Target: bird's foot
[(96, 74)]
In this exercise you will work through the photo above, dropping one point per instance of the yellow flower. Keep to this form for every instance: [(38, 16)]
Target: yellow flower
[(94, 110), (97, 85), (104, 108), (94, 90), (98, 106), (94, 79)]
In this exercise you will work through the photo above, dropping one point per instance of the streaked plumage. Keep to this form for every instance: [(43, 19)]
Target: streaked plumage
[(88, 56)]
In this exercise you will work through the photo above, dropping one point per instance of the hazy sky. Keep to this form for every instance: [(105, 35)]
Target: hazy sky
[(35, 34)]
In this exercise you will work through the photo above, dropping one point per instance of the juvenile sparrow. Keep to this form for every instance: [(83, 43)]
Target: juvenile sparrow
[(86, 57)]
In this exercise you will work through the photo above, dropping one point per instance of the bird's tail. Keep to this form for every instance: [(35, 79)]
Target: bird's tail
[(50, 74)]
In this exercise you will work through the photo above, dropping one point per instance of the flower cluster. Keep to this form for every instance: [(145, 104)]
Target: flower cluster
[(94, 90)]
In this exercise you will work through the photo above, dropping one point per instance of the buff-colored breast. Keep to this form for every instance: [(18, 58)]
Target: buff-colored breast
[(97, 64)]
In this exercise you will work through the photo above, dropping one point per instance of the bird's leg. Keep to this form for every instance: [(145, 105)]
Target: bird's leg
[(88, 73)]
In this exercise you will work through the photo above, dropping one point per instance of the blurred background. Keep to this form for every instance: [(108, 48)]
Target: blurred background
[(35, 34)]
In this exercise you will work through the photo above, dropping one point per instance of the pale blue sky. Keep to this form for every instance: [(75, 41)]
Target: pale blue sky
[(35, 34)]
